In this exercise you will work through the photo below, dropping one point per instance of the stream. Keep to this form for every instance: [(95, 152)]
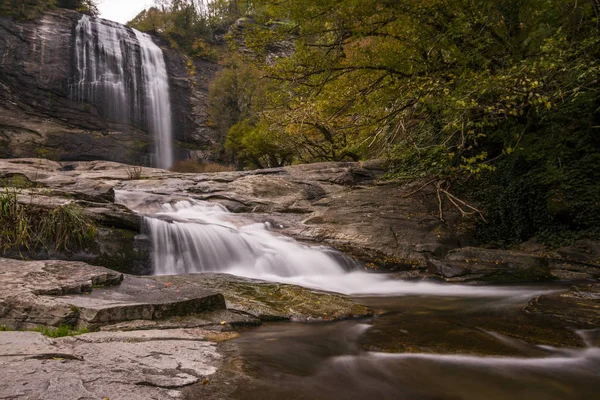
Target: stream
[(426, 340), (447, 356)]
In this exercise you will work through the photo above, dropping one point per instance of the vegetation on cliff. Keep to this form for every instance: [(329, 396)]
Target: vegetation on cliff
[(190, 25), (31, 9)]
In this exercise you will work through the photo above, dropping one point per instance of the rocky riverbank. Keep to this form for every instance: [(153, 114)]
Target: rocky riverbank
[(153, 336), (343, 205)]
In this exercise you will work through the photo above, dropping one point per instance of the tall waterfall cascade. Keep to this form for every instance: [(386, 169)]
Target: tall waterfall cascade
[(123, 73), (191, 236)]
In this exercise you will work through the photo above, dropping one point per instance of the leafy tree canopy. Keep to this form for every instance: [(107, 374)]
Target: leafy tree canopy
[(493, 93), (31, 9), (190, 25)]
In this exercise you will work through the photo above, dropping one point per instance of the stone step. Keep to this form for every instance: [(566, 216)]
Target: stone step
[(140, 299)]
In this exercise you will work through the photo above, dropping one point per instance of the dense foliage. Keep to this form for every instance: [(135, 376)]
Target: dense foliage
[(500, 95), (189, 25), (31, 9)]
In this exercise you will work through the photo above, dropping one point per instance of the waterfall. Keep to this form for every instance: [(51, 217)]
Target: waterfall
[(123, 74), (158, 102), (190, 236), (101, 61), (193, 237)]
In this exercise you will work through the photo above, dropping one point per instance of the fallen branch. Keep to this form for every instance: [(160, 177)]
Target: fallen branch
[(419, 189), (439, 189), (453, 199)]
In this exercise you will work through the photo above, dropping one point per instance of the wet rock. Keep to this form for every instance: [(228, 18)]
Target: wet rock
[(269, 301), (576, 262), (377, 223), (440, 326), (135, 365), (216, 321), (386, 225), (54, 293), (579, 307), (472, 264)]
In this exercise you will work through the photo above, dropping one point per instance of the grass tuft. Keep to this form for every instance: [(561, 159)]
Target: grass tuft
[(135, 172), (28, 227), (66, 228), (16, 224), (61, 331)]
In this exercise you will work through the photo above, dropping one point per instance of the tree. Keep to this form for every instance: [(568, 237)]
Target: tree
[(458, 89), (84, 6), (25, 9)]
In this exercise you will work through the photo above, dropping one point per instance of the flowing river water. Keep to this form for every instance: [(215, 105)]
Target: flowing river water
[(445, 355), (426, 340)]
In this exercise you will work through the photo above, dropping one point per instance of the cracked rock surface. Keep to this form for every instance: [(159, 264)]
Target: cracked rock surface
[(142, 365)]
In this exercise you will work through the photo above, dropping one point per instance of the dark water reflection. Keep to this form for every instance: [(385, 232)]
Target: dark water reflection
[(450, 348)]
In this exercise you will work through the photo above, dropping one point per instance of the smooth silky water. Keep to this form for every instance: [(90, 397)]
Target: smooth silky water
[(123, 74), (427, 340)]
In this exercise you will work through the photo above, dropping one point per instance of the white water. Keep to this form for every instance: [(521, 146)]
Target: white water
[(195, 237), (158, 102), (122, 73), (100, 67)]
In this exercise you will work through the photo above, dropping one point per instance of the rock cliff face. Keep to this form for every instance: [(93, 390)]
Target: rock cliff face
[(40, 115)]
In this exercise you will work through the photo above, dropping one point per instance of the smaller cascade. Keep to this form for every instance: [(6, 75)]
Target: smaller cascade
[(193, 237), (158, 102), (190, 236)]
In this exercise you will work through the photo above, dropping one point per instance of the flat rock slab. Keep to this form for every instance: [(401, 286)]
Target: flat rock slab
[(140, 298), (54, 293), (116, 365), (269, 301), (29, 290)]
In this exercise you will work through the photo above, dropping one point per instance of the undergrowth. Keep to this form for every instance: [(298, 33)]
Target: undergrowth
[(28, 227), (61, 331)]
